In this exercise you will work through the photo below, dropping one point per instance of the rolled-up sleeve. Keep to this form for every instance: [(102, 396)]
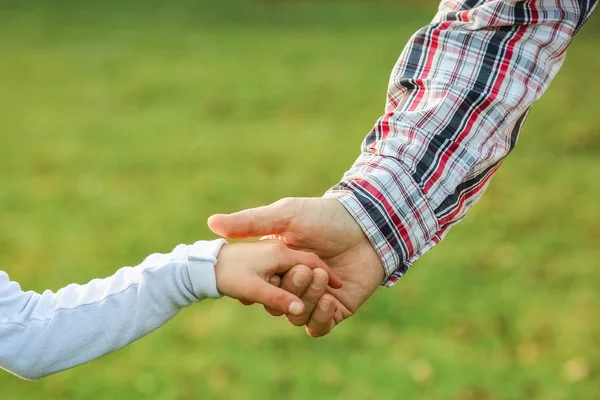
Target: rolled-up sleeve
[(457, 100)]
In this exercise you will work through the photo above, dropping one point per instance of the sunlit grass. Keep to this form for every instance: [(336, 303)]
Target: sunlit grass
[(124, 127)]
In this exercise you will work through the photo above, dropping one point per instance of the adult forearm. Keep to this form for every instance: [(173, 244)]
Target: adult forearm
[(457, 101)]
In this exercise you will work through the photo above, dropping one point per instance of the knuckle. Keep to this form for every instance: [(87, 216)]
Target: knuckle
[(277, 245), (311, 297), (313, 294), (285, 202), (278, 299), (289, 206)]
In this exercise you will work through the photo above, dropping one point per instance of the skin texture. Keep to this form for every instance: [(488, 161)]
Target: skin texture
[(245, 270), (324, 227)]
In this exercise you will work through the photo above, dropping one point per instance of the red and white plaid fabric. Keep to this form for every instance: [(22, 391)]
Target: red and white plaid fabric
[(457, 101)]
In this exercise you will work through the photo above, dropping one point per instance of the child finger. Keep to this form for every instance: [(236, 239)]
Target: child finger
[(295, 281), (292, 257), (322, 321), (311, 297), (275, 298), (275, 280)]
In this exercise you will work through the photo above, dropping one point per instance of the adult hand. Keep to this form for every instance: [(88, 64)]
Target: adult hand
[(324, 227)]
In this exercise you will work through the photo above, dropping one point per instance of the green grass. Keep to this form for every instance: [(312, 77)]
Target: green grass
[(125, 125)]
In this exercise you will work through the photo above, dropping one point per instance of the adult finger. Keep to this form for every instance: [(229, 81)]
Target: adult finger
[(322, 322), (296, 281), (311, 297)]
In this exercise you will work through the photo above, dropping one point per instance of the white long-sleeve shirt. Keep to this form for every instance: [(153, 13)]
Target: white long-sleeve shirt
[(41, 334)]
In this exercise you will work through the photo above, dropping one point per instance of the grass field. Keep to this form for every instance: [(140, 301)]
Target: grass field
[(125, 125)]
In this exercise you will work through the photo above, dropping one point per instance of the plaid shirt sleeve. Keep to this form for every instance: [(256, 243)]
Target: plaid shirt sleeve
[(457, 101)]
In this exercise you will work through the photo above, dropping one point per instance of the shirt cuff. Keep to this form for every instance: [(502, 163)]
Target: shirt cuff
[(201, 261), (392, 211)]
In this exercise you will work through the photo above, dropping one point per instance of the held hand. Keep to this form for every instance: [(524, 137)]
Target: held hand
[(322, 226), (244, 270)]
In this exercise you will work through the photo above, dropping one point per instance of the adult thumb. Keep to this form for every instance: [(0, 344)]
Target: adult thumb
[(267, 220)]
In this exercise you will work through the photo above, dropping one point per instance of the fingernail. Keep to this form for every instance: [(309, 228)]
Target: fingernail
[(275, 280), (295, 308), (299, 280)]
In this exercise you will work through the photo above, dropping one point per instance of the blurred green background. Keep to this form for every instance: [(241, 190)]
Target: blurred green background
[(124, 125)]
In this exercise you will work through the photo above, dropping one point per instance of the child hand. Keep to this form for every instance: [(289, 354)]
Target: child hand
[(243, 271)]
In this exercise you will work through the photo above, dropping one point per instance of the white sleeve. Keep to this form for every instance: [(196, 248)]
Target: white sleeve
[(41, 334)]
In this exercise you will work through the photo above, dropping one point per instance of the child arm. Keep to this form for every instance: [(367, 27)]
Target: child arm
[(41, 334)]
